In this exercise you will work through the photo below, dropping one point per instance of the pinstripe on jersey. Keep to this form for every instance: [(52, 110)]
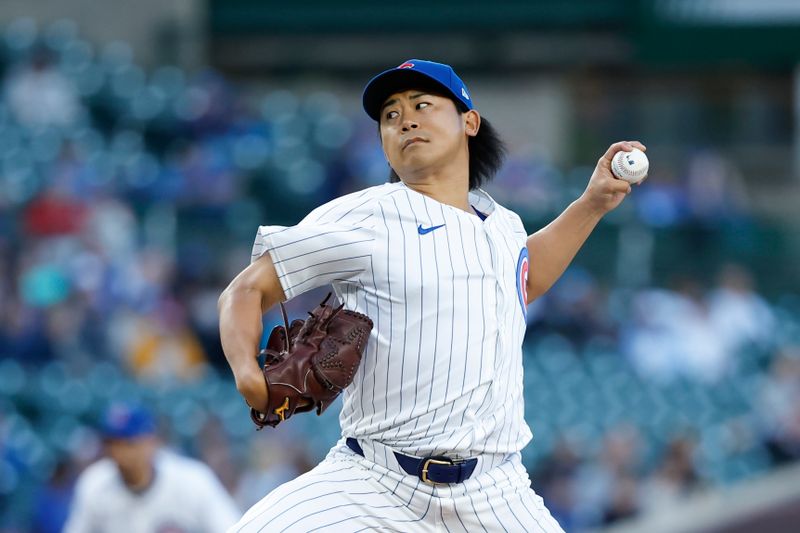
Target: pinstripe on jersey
[(443, 368)]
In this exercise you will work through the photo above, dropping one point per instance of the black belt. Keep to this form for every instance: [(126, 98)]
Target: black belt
[(432, 469)]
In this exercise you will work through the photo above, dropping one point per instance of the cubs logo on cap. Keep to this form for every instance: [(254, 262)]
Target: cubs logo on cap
[(415, 74), (127, 421)]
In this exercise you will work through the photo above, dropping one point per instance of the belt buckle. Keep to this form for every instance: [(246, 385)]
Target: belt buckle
[(428, 462)]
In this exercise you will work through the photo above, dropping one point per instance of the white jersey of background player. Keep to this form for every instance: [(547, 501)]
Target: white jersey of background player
[(446, 274), (140, 488)]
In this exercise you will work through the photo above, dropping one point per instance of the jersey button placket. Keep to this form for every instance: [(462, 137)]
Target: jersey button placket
[(500, 293)]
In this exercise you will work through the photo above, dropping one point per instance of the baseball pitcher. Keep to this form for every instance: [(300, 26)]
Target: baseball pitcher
[(433, 278)]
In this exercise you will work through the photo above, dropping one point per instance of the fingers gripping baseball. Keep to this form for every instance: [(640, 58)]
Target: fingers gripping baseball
[(616, 147), (605, 192)]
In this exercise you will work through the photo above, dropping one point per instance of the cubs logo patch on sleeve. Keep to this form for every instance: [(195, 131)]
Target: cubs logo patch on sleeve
[(522, 280)]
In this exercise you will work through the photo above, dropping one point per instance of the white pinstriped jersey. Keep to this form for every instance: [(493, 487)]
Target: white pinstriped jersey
[(442, 373)]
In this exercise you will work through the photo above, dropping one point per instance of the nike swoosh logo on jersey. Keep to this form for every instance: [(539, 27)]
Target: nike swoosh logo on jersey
[(423, 231)]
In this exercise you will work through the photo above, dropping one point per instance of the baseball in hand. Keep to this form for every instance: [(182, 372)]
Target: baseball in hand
[(630, 166)]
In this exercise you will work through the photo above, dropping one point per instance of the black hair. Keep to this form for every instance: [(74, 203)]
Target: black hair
[(486, 154)]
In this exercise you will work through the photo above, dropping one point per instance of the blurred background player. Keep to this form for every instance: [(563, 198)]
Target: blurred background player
[(141, 487)]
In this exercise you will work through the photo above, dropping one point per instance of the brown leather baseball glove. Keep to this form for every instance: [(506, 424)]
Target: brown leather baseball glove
[(308, 363)]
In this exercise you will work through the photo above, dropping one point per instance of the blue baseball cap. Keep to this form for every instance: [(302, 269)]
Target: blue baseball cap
[(414, 74), (127, 421)]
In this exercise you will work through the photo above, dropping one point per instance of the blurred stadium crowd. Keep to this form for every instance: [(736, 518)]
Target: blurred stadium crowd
[(128, 200)]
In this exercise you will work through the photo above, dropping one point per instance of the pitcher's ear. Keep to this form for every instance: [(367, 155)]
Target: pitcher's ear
[(472, 122)]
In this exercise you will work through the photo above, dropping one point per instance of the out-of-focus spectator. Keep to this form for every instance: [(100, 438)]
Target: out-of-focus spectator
[(210, 103), (664, 202), (529, 185), (603, 487), (164, 347), (555, 480), (205, 170), (715, 188), (22, 334), (575, 307), (111, 228), (624, 500), (675, 477), (671, 336), (779, 406), (54, 212), (66, 327), (39, 95), (737, 313)]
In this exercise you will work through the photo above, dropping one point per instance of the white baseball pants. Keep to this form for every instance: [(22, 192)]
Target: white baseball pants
[(348, 493)]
